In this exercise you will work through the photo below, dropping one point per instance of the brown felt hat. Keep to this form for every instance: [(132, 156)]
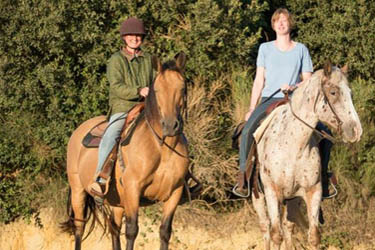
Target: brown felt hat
[(132, 26)]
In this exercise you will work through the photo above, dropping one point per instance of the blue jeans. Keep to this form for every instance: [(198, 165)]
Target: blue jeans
[(111, 136), (251, 125)]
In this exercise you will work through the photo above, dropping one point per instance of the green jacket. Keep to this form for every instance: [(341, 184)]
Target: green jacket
[(126, 75)]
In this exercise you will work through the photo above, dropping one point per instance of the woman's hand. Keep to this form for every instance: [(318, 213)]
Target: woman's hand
[(144, 91)]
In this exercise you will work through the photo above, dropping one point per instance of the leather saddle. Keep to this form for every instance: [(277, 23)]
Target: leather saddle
[(238, 130), (93, 137)]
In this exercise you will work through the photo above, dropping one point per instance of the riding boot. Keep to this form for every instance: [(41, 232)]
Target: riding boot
[(100, 185)]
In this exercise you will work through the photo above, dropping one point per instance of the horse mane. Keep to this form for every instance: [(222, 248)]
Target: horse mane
[(170, 65), (151, 104)]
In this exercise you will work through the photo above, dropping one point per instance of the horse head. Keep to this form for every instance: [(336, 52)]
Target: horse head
[(167, 96), (334, 105)]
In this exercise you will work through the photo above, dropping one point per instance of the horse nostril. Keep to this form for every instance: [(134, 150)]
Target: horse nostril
[(176, 125), (355, 132)]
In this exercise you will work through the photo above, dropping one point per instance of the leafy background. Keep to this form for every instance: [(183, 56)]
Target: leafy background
[(52, 77)]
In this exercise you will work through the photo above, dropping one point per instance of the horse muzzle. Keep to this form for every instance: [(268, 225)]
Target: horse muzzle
[(351, 132), (171, 126)]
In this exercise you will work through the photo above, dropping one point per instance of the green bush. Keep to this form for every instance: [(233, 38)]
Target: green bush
[(52, 74), (53, 59)]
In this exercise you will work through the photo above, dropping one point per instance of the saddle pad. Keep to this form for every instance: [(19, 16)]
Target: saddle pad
[(91, 141), (263, 126), (93, 137)]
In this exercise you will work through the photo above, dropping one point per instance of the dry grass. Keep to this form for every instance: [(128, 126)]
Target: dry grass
[(214, 164), (195, 229), (241, 85)]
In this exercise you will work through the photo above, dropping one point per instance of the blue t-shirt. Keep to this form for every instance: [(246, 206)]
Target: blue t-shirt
[(282, 66)]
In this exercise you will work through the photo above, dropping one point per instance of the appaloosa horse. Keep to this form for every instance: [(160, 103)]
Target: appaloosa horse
[(153, 165), (289, 161)]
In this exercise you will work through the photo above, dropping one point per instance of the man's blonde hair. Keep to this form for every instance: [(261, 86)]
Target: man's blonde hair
[(285, 12)]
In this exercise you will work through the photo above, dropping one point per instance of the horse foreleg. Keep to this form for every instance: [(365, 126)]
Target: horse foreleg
[(169, 208), (78, 204), (274, 211), (313, 198), (117, 213), (131, 214), (288, 225), (264, 221)]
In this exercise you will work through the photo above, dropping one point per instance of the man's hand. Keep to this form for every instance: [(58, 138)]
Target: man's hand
[(285, 88), (144, 91)]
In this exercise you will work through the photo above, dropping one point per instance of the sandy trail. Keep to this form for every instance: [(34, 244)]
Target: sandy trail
[(192, 230), (206, 236)]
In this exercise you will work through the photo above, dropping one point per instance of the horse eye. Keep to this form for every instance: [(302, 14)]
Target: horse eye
[(333, 93)]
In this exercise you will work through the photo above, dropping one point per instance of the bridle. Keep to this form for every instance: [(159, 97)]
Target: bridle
[(160, 139), (326, 100)]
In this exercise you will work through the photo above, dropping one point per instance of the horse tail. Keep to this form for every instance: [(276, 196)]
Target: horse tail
[(90, 209), (68, 226)]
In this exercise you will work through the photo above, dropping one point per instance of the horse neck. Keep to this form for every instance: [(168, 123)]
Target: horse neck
[(303, 104)]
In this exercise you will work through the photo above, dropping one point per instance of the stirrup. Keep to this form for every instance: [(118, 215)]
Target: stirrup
[(96, 194), (333, 182), (234, 191), (330, 196)]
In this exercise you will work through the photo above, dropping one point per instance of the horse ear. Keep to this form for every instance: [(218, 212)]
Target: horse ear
[(180, 60), (327, 68), (156, 64), (345, 69)]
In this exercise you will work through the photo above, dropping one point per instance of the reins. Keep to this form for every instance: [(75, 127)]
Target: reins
[(321, 133), (161, 140)]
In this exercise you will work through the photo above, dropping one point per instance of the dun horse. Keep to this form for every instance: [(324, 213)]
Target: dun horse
[(155, 163), (289, 161)]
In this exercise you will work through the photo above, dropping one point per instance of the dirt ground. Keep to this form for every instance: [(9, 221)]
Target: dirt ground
[(192, 230)]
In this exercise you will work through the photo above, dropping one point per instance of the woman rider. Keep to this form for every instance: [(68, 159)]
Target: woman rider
[(280, 63), (129, 72)]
